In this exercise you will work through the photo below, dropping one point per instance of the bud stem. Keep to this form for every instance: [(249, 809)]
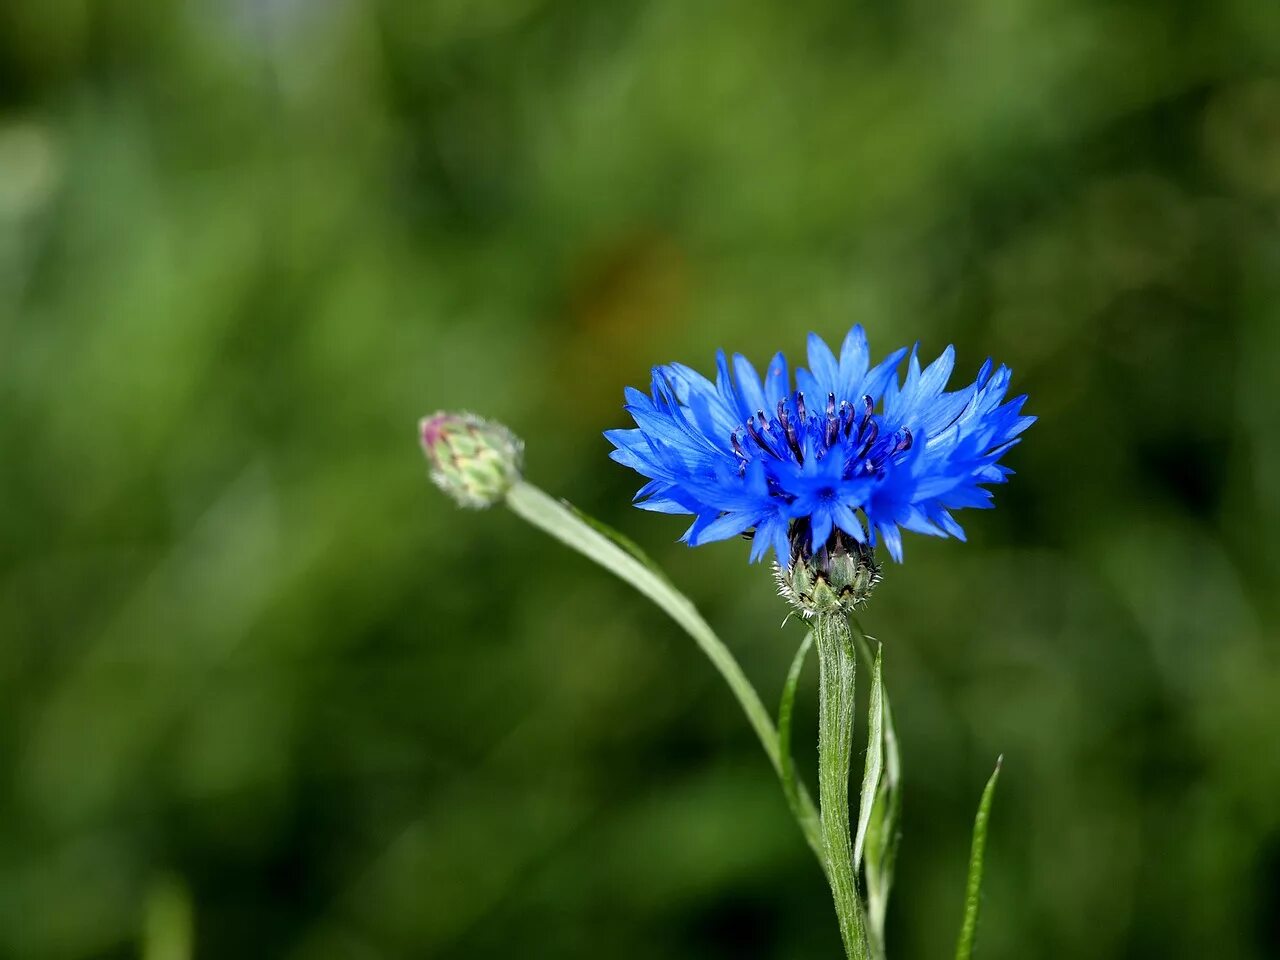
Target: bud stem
[(563, 523), (837, 665)]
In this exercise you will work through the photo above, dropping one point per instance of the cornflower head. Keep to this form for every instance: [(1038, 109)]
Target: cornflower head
[(844, 458)]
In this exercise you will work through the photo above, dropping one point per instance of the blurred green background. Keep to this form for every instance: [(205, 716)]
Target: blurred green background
[(255, 668)]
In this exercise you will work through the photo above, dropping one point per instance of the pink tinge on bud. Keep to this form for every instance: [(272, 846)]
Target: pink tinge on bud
[(432, 430), (475, 461)]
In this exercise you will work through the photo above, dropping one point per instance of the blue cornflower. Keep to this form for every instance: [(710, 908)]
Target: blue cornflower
[(848, 448)]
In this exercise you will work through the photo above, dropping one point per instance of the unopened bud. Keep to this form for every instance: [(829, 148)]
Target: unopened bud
[(836, 579), (474, 461)]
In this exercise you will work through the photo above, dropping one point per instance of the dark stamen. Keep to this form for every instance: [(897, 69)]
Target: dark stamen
[(788, 429), (869, 436), (793, 441), (800, 411), (846, 417), (904, 443), (760, 438), (833, 425), (765, 431)]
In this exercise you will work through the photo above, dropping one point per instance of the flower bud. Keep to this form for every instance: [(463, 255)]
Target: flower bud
[(836, 579), (474, 461)]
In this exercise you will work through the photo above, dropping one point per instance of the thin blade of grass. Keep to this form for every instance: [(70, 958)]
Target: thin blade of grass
[(973, 892)]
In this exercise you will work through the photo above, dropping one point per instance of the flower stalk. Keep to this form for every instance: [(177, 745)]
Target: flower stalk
[(837, 670)]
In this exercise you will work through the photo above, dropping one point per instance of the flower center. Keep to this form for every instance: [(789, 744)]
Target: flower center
[(793, 432)]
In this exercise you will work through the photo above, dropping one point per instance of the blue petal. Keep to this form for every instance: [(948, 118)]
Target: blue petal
[(749, 384), (892, 540), (855, 355), (772, 534), (823, 367), (777, 386), (848, 521), (878, 377), (821, 522), (937, 374), (948, 523), (724, 527)]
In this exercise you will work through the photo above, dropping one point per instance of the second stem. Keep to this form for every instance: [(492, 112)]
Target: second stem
[(837, 663)]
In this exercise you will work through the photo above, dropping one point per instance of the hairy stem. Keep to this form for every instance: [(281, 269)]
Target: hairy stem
[(837, 663)]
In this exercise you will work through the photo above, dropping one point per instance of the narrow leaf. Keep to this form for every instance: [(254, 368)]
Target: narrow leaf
[(787, 771), (875, 761), (973, 893), (882, 832), (880, 850)]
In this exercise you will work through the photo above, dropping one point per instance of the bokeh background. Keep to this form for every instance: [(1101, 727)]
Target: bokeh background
[(264, 692)]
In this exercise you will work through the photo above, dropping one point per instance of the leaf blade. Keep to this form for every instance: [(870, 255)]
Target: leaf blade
[(973, 889), (786, 771), (874, 766), (882, 832)]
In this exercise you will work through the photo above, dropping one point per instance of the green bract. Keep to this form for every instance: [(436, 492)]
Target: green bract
[(836, 579)]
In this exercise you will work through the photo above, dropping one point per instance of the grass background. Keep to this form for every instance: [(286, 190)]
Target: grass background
[(249, 655)]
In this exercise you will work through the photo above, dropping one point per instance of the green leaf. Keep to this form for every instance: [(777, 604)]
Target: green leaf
[(874, 765), (787, 770), (883, 832), (973, 892), (880, 851)]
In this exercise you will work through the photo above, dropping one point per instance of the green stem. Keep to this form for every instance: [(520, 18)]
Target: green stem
[(561, 522), (837, 663)]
